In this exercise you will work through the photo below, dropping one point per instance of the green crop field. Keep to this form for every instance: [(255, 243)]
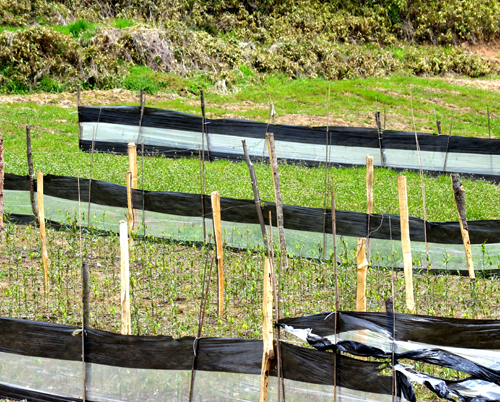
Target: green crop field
[(317, 63)]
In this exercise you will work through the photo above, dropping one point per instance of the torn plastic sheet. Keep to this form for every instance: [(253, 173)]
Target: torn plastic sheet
[(475, 340), (469, 390), (483, 386), (437, 357)]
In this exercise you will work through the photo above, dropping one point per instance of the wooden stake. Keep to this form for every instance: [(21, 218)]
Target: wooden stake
[(369, 198), (459, 193), (267, 331), (41, 220), (31, 172), (204, 131), (130, 217), (405, 242), (279, 203), (132, 167), (362, 269), (2, 175), (77, 96), (218, 245), (90, 178), (125, 280), (438, 124), (380, 139), (256, 195), (85, 295)]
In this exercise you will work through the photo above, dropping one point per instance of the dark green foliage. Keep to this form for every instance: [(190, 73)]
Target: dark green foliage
[(97, 44)]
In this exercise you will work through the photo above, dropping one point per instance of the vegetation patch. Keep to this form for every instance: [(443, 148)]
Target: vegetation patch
[(231, 43)]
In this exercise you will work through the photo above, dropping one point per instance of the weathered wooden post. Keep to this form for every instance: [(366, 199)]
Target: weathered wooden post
[(125, 279), (218, 245), (459, 193), (362, 264), (405, 242), (43, 236), (267, 330)]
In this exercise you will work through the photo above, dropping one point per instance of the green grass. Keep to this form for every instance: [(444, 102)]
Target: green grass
[(166, 277), (55, 142)]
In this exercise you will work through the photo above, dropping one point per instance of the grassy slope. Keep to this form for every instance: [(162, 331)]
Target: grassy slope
[(55, 141)]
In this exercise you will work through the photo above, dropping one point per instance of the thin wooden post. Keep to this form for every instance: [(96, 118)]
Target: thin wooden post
[(43, 238), (31, 172), (2, 176), (125, 279), (132, 167), (204, 126), (369, 198), (405, 242), (256, 195), (279, 203), (380, 132), (130, 217), (438, 124), (218, 245), (85, 295), (362, 264), (77, 96), (459, 193), (267, 331)]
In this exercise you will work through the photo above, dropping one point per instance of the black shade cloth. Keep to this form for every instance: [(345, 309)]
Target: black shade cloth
[(243, 211), (55, 341), (344, 136), (439, 331)]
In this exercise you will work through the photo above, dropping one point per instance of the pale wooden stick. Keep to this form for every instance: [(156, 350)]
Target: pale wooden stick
[(267, 330), (130, 217), (459, 193), (369, 198), (43, 237), (405, 242), (125, 280), (218, 245), (362, 264), (132, 167)]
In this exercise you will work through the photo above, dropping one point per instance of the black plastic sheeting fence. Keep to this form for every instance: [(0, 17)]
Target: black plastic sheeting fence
[(243, 356), (349, 137), (308, 219), (464, 345), (468, 346)]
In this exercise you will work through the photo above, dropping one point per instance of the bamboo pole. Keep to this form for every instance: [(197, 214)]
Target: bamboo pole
[(31, 172), (279, 203), (459, 193), (362, 264), (369, 198), (43, 238), (125, 280), (256, 195), (218, 245), (267, 331), (132, 167), (130, 217), (405, 242)]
